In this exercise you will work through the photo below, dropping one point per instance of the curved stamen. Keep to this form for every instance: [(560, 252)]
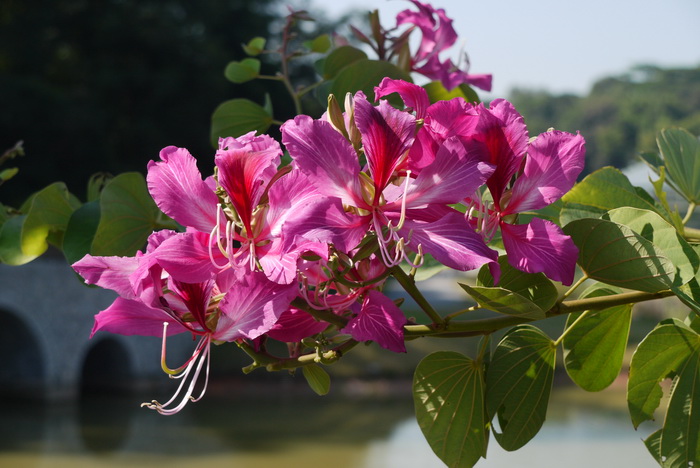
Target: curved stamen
[(200, 356)]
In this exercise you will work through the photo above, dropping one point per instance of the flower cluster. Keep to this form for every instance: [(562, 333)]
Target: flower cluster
[(291, 252)]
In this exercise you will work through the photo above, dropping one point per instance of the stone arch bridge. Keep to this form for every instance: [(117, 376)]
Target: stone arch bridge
[(46, 315)]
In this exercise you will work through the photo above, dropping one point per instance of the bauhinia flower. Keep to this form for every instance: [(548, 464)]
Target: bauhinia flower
[(231, 306), (403, 210), (437, 36), (543, 170), (242, 221)]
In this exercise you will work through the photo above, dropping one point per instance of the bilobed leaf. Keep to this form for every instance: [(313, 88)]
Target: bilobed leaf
[(363, 75), (80, 231), (594, 349), (243, 71), (504, 301), (11, 242), (448, 393), (681, 153), (128, 216), (319, 44), (535, 287), (437, 92), (601, 191), (664, 237), (24, 238), (518, 383), (671, 350), (614, 254), (236, 117), (255, 46), (317, 378), (339, 59)]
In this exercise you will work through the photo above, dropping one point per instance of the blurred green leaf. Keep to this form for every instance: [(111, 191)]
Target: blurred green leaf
[(518, 383), (504, 301), (243, 71), (535, 287), (128, 216), (595, 347), (96, 183), (255, 46), (437, 92), (614, 254), (448, 393), (339, 59), (319, 44), (80, 231), (681, 153), (24, 238), (7, 174), (11, 251), (671, 350), (317, 378), (603, 190), (237, 117), (363, 75)]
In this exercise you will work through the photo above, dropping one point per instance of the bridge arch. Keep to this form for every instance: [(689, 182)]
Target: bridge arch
[(23, 369)]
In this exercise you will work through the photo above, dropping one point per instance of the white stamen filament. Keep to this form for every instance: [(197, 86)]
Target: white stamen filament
[(200, 355)]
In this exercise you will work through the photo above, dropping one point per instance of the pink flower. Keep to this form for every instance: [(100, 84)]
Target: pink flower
[(402, 209), (437, 35)]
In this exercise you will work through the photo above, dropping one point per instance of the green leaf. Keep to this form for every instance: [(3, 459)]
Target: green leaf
[(616, 255), (11, 242), (671, 350), (317, 378), (430, 268), (237, 117), (681, 153), (363, 75), (535, 287), (653, 444), (689, 294), (594, 349), (96, 183), (81, 230), (448, 393), (656, 230), (339, 59), (599, 192), (7, 174), (518, 382), (24, 238), (255, 46), (128, 216), (437, 92), (243, 71), (320, 44), (505, 302)]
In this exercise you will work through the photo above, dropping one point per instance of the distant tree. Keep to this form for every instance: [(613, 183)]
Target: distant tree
[(621, 115)]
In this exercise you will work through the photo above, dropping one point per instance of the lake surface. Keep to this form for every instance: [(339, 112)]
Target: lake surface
[(288, 427)]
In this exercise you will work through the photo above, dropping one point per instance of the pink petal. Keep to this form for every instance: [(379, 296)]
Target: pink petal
[(540, 247), (177, 187), (294, 325), (108, 272), (454, 175), (130, 317), (387, 134), (246, 165), (554, 161), (451, 118), (503, 131), (325, 157), (290, 197), (379, 320), (252, 306), (413, 95), (186, 257), (451, 240)]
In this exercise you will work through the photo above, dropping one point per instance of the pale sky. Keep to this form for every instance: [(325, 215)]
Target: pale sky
[(558, 45)]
